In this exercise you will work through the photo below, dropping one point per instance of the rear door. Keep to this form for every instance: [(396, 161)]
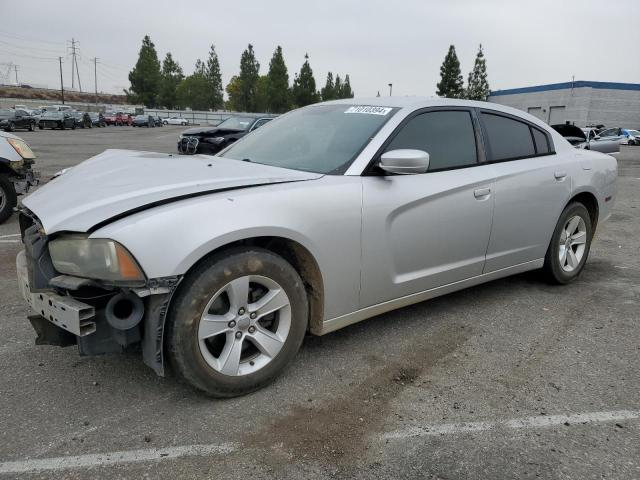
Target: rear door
[(607, 142), (427, 230), (532, 186)]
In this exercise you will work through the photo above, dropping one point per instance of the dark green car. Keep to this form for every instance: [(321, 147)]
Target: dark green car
[(11, 120), (61, 120)]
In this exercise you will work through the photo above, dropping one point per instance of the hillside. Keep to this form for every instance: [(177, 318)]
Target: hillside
[(48, 94)]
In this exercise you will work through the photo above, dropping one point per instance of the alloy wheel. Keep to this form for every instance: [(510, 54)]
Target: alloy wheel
[(573, 240), (244, 325)]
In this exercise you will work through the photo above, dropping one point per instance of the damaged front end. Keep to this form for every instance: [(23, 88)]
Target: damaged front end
[(100, 316)]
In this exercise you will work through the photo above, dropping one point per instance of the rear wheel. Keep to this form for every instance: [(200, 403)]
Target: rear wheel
[(32, 126), (237, 322), (570, 244), (10, 127), (8, 198)]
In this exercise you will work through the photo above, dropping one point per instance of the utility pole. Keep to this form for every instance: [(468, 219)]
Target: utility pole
[(390, 88), (74, 64), (61, 83), (15, 67), (95, 76)]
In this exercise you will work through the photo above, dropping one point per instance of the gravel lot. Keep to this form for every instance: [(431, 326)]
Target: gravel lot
[(511, 379)]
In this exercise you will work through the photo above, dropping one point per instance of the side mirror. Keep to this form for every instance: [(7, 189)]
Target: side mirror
[(405, 161)]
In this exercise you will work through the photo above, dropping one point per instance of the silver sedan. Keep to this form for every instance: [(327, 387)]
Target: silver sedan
[(324, 217)]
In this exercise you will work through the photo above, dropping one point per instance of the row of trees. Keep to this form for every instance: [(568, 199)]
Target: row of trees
[(156, 85), (451, 84)]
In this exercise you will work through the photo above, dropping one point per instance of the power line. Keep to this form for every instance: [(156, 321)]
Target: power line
[(29, 39)]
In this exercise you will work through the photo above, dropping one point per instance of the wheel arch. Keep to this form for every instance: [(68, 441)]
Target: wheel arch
[(300, 258), (590, 201)]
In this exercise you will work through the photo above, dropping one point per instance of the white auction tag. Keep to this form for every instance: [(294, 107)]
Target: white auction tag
[(368, 109)]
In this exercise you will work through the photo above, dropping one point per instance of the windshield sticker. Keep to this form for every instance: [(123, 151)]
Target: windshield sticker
[(369, 110)]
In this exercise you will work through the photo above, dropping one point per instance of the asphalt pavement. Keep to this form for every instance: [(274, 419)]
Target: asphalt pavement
[(512, 379)]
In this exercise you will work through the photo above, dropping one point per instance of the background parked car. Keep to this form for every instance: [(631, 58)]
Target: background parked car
[(82, 119), (16, 175), (157, 121), (55, 119), (11, 120), (123, 119), (211, 140), (175, 121), (574, 135), (633, 137), (610, 139), (97, 119), (110, 118), (143, 121)]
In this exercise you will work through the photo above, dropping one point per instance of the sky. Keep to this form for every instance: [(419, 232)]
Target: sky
[(526, 42)]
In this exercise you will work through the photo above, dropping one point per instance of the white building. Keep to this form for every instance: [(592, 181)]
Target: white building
[(580, 102)]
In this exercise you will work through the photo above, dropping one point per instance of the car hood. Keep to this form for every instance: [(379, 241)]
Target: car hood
[(570, 132), (210, 131), (116, 183)]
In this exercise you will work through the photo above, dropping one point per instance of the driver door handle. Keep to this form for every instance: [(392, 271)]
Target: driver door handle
[(481, 193), (560, 175)]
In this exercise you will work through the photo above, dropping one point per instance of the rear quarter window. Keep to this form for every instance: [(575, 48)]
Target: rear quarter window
[(507, 138)]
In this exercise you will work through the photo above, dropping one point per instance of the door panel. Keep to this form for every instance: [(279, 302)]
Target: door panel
[(528, 202), (424, 231)]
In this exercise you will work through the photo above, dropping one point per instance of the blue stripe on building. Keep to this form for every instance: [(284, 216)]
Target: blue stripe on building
[(568, 85)]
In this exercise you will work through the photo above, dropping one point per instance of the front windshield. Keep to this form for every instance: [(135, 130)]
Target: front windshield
[(320, 138), (52, 115), (635, 133), (141, 117), (237, 123)]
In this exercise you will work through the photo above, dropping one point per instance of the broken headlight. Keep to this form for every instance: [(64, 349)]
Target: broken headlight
[(95, 258)]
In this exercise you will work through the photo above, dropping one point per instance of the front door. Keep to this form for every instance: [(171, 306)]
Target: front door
[(427, 230)]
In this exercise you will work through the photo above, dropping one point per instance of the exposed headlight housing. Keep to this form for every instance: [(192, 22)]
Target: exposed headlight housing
[(21, 148), (217, 139), (95, 258)]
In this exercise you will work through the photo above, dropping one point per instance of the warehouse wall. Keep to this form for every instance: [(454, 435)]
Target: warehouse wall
[(583, 106)]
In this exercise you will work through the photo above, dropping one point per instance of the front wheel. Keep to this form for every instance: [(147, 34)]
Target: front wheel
[(570, 245), (236, 322), (32, 126), (8, 198)]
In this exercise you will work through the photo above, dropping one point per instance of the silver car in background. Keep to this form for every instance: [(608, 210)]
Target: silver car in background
[(610, 139), (324, 217)]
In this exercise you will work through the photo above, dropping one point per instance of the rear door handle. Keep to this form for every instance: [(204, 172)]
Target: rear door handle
[(560, 175), (481, 192)]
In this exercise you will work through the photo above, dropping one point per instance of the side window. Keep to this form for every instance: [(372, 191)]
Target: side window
[(260, 123), (607, 133), (542, 143), (507, 138), (447, 136)]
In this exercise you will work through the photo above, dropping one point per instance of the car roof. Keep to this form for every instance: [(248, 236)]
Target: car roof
[(414, 103)]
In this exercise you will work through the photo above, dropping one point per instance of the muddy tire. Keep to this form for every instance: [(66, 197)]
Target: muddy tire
[(236, 322), (569, 246), (8, 198)]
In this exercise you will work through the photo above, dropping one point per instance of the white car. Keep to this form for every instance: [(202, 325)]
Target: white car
[(16, 175), (175, 121)]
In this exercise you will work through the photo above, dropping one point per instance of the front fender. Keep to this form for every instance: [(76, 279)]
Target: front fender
[(323, 215)]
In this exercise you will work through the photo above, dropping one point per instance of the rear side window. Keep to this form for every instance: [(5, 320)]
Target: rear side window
[(507, 138), (447, 136), (542, 144)]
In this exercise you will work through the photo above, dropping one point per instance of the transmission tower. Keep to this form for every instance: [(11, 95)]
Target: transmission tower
[(75, 53)]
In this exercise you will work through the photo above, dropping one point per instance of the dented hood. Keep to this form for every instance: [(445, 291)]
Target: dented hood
[(118, 182)]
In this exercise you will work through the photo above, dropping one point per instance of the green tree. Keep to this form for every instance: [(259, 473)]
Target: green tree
[(214, 78), (277, 84), (249, 75), (145, 76), (171, 76), (451, 83), (328, 91), (234, 94), (337, 87), (304, 86), (193, 91), (477, 84), (262, 94), (346, 88)]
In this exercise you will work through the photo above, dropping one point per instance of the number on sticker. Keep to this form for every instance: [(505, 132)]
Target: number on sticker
[(368, 110)]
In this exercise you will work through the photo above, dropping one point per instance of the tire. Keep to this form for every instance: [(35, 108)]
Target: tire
[(10, 127), (63, 126), (8, 198), (32, 126), (193, 359), (562, 271), (73, 127), (40, 127)]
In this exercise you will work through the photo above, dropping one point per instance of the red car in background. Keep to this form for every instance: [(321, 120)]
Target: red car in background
[(118, 119)]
